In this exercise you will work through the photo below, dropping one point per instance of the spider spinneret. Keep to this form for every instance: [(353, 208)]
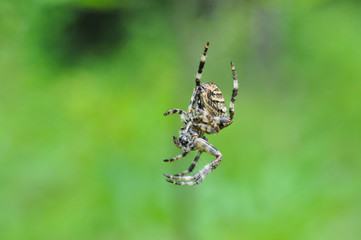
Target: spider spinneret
[(207, 113)]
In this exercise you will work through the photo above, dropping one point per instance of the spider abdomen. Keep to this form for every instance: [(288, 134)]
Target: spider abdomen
[(210, 99)]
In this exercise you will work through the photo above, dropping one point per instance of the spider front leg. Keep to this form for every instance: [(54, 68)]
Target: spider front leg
[(202, 146), (177, 111), (199, 75), (173, 111), (190, 169), (176, 157)]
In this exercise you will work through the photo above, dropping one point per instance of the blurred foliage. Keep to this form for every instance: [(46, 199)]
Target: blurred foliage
[(82, 137)]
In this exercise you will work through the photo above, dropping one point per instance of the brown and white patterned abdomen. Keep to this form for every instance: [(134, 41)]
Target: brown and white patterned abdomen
[(210, 99)]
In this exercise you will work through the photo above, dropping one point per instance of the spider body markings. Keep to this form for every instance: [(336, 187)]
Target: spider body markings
[(207, 113)]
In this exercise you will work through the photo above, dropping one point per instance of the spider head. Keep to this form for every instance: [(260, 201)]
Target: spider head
[(186, 139)]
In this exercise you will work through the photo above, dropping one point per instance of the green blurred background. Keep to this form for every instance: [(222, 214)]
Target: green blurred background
[(84, 84)]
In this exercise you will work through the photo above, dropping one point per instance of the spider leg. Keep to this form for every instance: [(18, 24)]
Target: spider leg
[(199, 75), (226, 121), (173, 111), (197, 178), (190, 169), (234, 93), (201, 65), (177, 111), (176, 157), (176, 142)]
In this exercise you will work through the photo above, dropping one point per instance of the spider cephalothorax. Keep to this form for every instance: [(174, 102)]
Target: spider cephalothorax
[(207, 113)]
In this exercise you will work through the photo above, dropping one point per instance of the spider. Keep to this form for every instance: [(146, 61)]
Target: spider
[(207, 113)]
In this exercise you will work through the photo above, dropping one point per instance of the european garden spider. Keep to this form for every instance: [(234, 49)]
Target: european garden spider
[(207, 113)]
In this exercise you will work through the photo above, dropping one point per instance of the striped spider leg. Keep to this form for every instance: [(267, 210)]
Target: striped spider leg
[(198, 77), (185, 115), (191, 167)]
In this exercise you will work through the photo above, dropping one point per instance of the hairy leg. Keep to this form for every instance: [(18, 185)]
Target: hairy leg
[(190, 169), (178, 111), (235, 91), (176, 157), (199, 75)]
